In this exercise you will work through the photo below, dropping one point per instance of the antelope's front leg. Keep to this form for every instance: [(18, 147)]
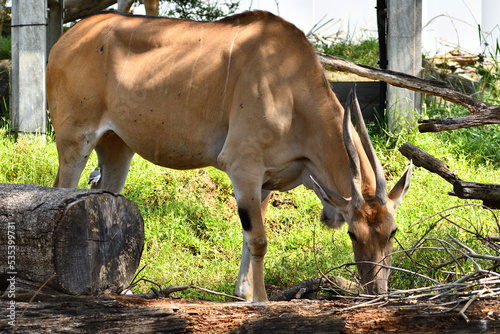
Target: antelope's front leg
[(251, 277), (244, 287)]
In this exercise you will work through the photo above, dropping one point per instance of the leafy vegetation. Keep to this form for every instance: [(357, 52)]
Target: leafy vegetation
[(193, 234), (5, 47), (363, 52), (201, 10)]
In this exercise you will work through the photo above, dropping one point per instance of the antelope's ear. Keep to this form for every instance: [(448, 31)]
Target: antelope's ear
[(401, 188), (329, 197)]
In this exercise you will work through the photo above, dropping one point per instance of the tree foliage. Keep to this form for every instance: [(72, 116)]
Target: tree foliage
[(202, 10)]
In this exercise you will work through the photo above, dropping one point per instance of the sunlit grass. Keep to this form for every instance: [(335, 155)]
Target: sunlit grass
[(192, 229), (362, 52), (193, 233)]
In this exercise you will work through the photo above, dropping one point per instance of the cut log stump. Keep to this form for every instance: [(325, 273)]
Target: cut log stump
[(79, 241)]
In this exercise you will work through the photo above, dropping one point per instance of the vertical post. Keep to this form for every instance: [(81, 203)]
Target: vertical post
[(404, 53), (382, 34), (29, 35), (55, 23)]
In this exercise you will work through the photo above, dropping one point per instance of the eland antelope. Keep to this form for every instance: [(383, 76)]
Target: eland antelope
[(246, 95)]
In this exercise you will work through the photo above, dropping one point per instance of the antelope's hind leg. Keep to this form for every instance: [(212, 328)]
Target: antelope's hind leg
[(73, 148), (114, 158)]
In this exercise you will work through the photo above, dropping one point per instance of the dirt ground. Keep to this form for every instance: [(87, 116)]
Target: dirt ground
[(308, 316)]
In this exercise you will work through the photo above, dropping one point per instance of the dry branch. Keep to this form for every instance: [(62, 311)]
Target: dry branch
[(488, 193), (482, 112), (421, 158), (432, 87), (313, 285), (489, 116), (476, 279)]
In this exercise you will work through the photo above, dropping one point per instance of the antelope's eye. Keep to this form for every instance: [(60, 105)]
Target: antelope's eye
[(393, 233), (352, 236)]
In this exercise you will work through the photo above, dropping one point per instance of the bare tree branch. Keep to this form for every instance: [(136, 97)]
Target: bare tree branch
[(482, 112)]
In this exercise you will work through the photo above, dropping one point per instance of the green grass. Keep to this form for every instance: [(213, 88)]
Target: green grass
[(363, 52), (193, 234), (5, 47)]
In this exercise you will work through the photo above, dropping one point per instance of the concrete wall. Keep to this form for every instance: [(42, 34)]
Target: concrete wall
[(28, 102)]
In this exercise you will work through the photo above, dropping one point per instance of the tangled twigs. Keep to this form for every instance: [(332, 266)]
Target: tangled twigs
[(316, 284), (166, 292), (454, 263), (462, 311)]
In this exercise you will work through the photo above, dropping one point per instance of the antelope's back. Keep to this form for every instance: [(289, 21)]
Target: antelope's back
[(168, 75)]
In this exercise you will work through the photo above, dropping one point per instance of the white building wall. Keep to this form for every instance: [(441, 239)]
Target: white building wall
[(490, 23), (354, 17), (447, 24)]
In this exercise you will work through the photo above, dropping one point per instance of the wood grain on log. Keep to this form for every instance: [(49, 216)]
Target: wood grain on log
[(91, 240), (123, 314), (487, 192)]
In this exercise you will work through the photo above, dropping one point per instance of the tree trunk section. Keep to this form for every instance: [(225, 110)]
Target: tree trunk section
[(81, 241)]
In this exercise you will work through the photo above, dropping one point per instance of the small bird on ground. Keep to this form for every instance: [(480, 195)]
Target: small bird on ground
[(95, 176)]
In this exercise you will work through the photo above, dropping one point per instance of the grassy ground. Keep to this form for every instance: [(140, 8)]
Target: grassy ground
[(193, 234), (363, 52)]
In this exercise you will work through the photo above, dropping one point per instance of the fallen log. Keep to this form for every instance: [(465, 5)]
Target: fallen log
[(488, 193), (121, 314), (81, 241), (482, 113)]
